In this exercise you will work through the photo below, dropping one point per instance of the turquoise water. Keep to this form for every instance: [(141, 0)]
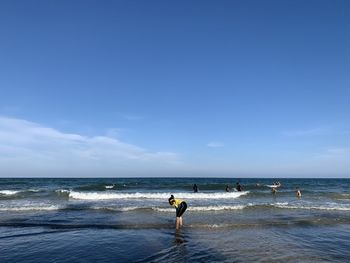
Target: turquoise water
[(130, 220)]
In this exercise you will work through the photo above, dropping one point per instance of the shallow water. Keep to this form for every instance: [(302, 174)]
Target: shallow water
[(129, 220)]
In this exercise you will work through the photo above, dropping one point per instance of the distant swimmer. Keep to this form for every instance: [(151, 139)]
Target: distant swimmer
[(227, 189), (195, 188), (181, 207), (298, 193), (238, 187)]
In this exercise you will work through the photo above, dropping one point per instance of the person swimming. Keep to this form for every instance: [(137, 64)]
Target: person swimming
[(180, 206), (238, 187), (195, 188), (298, 193), (227, 189)]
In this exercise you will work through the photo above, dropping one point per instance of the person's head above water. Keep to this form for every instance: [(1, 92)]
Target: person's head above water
[(171, 199)]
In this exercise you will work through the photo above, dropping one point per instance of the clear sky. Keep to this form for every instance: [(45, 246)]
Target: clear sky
[(175, 88)]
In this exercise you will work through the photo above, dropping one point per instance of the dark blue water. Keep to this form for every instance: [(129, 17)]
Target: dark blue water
[(130, 220)]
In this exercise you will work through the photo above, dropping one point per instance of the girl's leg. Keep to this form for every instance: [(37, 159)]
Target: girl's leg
[(178, 222)]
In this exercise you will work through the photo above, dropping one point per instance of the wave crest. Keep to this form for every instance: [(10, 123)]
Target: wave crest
[(204, 208), (30, 208), (139, 195), (312, 207), (9, 192)]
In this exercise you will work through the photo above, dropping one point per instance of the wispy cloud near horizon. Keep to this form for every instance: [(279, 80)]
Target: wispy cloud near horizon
[(31, 147)]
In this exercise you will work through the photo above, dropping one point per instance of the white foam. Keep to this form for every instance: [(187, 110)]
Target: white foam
[(30, 208), (161, 209), (217, 208), (273, 185), (331, 208), (105, 196), (204, 208), (120, 209), (14, 192), (9, 192), (171, 210), (109, 186), (33, 190), (280, 204), (62, 191)]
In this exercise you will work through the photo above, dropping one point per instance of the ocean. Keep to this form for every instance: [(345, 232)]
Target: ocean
[(130, 220)]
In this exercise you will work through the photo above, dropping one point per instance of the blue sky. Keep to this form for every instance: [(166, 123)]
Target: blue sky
[(185, 88)]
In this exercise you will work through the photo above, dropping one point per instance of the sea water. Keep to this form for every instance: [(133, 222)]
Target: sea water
[(130, 220)]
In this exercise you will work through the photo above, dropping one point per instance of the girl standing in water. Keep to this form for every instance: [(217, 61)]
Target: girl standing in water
[(181, 207)]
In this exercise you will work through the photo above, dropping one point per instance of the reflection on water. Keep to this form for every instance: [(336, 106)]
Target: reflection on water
[(326, 243), (180, 250), (179, 238)]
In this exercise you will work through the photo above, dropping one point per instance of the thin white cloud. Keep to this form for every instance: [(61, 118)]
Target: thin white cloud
[(114, 132), (32, 149), (31, 146), (215, 144)]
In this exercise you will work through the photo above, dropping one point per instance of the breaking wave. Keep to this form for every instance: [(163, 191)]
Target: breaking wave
[(330, 207), (105, 196), (30, 208), (9, 192), (204, 208), (15, 192)]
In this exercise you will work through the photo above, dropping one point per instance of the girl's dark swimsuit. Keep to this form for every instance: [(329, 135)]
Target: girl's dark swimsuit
[(181, 209)]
